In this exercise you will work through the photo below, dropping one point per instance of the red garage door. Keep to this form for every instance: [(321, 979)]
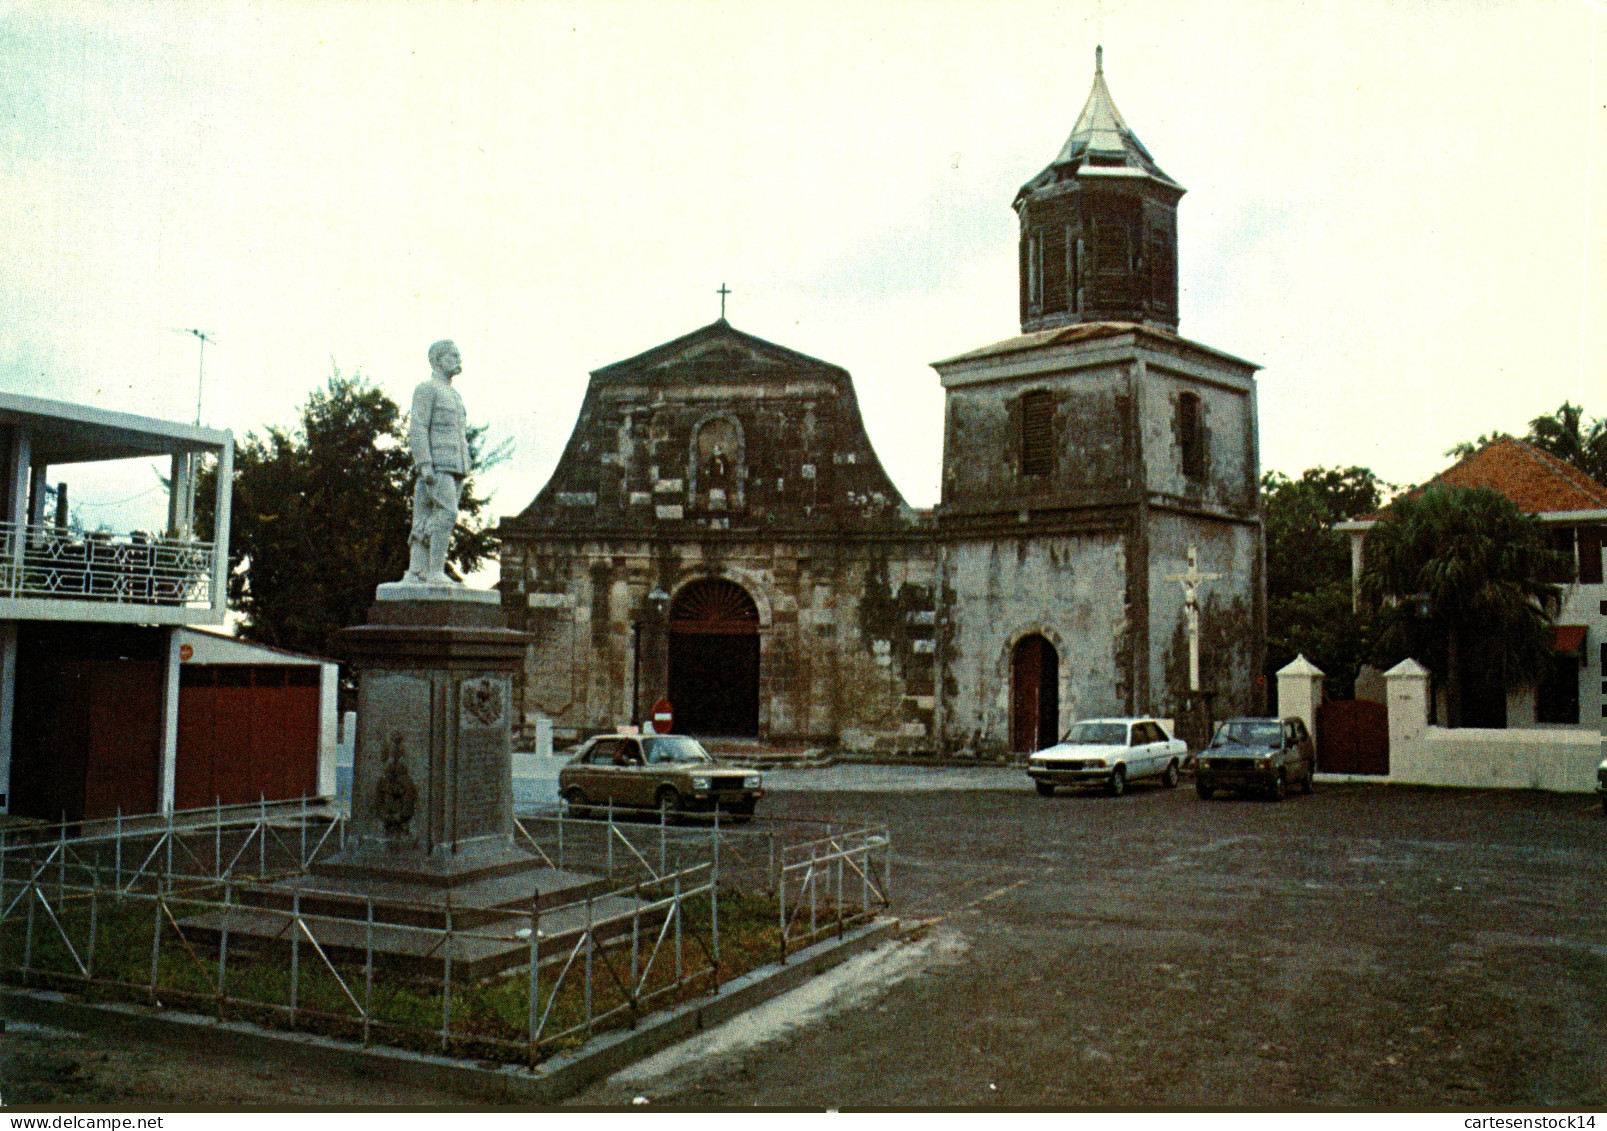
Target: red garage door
[(246, 732)]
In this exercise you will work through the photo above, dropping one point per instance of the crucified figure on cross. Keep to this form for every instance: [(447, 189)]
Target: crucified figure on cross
[(1190, 580)]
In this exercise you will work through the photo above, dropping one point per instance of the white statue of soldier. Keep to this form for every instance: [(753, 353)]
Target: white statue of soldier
[(438, 438)]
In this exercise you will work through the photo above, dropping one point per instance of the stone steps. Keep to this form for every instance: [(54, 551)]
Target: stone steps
[(476, 953)]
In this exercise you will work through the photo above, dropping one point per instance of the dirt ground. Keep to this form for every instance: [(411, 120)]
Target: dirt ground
[(1366, 945)]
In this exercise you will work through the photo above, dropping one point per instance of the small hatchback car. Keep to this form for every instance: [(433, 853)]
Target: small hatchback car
[(1264, 755), (668, 771), (1108, 753)]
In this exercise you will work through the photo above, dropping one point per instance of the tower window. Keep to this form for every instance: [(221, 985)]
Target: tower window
[(1191, 435), (1113, 253), (1035, 272), (1162, 273), (1054, 269), (1037, 433)]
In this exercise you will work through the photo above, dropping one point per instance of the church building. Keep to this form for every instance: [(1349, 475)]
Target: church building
[(720, 532)]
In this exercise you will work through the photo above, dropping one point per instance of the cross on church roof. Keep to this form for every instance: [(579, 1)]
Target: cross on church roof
[(722, 292)]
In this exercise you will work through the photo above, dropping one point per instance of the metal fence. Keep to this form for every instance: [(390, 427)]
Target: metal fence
[(218, 910), (40, 560)]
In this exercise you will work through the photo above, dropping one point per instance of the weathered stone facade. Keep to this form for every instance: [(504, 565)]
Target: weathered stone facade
[(722, 456), (1077, 549), (720, 528)]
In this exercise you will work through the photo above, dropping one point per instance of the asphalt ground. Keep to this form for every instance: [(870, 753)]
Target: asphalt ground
[(1366, 945)]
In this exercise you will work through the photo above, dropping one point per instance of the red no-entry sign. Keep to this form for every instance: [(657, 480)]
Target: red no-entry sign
[(663, 716)]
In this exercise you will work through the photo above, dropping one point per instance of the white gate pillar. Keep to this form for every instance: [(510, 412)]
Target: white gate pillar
[(1300, 692), (1406, 695)]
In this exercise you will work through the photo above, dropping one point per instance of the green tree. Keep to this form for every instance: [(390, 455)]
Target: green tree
[(321, 513), (1309, 602), (1455, 573), (1563, 433)]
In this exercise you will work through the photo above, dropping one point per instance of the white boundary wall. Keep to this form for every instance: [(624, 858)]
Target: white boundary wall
[(1563, 760)]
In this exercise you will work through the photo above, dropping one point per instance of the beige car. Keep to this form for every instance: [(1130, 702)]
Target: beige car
[(669, 771)]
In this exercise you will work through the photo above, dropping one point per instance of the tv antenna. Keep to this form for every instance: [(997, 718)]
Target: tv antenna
[(204, 337)]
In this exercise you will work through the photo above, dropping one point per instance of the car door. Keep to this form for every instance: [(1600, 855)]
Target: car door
[(1138, 751), (635, 782), (602, 775), (1308, 748), (1158, 753), (1293, 771)]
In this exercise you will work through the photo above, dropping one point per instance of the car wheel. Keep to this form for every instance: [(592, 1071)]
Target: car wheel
[(576, 797), (1118, 781), (1309, 784), (1045, 788), (667, 799), (1206, 792), (1169, 779), (1280, 787)]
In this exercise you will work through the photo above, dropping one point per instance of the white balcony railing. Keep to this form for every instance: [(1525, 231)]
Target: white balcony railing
[(49, 562)]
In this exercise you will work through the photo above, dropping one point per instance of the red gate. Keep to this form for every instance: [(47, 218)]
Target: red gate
[(1352, 737)]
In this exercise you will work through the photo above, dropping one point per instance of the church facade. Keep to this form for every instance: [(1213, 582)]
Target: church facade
[(719, 530)]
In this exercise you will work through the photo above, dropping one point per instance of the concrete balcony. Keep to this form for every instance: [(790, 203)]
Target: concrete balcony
[(51, 572), (47, 573)]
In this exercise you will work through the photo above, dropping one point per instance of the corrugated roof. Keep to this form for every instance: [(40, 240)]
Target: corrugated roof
[(1539, 483)]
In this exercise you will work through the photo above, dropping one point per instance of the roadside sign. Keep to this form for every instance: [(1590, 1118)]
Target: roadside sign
[(663, 716), (185, 651)]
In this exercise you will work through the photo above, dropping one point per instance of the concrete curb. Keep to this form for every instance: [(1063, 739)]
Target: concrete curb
[(548, 1083)]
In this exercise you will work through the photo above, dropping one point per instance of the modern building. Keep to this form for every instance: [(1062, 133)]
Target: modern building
[(720, 531), (1573, 509), (112, 698)]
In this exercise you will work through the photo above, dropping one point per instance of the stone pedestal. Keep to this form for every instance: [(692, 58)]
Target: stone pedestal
[(432, 791)]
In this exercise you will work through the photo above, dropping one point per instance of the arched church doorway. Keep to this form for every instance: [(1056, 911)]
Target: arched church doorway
[(1034, 695), (714, 659)]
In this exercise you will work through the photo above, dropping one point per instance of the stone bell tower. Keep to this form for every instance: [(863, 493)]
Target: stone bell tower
[(1099, 227)]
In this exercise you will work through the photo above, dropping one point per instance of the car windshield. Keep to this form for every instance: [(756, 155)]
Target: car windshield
[(1097, 734), (675, 748), (1248, 732)]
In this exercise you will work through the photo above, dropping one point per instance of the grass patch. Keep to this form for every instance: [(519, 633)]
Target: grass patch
[(489, 1019)]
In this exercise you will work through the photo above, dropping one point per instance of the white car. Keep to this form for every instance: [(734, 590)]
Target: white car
[(1109, 753)]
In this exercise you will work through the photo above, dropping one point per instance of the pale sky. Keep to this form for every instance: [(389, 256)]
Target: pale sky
[(1396, 208)]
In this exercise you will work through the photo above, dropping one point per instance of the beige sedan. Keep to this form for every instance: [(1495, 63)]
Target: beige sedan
[(671, 772)]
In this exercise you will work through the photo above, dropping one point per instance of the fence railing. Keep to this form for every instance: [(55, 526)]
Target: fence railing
[(217, 909), (40, 560)]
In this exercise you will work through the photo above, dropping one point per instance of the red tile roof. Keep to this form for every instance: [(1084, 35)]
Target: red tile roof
[(1537, 482)]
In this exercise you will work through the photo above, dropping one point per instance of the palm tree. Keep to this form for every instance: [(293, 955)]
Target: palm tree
[(1453, 566), (1563, 434)]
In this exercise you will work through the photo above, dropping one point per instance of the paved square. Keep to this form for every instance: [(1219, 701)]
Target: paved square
[(1364, 945)]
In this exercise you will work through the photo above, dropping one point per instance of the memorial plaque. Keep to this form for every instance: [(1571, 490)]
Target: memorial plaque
[(396, 706), (484, 758)]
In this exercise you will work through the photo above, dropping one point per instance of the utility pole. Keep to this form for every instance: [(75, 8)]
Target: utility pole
[(204, 337)]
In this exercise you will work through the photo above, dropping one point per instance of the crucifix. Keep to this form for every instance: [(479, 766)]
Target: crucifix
[(1190, 581), (722, 292)]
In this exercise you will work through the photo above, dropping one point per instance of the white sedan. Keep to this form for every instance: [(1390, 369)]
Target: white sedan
[(1109, 753)]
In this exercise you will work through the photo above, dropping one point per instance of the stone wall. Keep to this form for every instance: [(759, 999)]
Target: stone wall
[(846, 633), (1069, 588)]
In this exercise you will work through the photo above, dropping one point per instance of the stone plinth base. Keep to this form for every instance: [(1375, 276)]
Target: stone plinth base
[(468, 864), (432, 776)]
